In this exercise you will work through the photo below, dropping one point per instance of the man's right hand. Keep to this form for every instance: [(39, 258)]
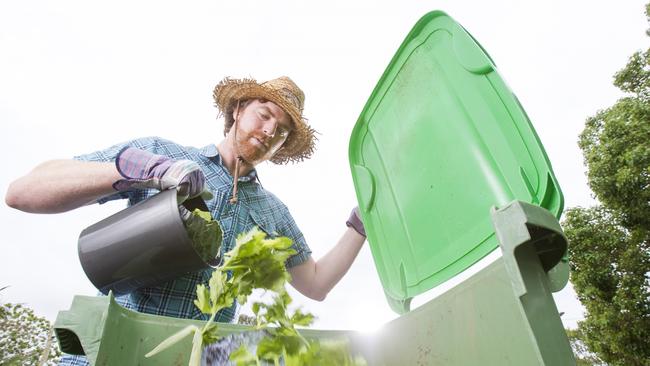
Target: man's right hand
[(142, 169)]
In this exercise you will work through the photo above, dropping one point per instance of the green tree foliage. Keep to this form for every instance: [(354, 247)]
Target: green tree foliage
[(584, 357), (25, 339), (616, 145), (610, 244), (609, 273)]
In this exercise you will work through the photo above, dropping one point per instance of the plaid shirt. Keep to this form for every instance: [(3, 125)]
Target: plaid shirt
[(255, 207)]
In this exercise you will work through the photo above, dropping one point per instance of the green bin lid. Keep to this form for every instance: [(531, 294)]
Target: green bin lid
[(441, 140)]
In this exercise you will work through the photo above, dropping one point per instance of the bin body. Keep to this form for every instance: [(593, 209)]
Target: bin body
[(502, 315)]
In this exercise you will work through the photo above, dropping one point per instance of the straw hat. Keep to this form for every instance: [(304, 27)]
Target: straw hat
[(287, 95)]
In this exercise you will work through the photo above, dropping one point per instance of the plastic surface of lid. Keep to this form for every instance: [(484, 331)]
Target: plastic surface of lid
[(440, 141)]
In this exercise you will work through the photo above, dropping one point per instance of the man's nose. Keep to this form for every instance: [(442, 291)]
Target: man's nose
[(270, 127)]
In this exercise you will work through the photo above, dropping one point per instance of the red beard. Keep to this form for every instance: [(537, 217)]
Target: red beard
[(250, 150)]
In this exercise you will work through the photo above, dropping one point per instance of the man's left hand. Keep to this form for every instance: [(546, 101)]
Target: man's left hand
[(354, 221)]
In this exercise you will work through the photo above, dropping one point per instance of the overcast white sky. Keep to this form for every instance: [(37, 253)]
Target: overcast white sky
[(77, 76)]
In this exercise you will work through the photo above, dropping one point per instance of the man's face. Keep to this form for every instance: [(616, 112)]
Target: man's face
[(262, 129)]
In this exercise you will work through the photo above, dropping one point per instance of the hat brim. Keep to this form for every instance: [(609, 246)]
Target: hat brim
[(301, 142)]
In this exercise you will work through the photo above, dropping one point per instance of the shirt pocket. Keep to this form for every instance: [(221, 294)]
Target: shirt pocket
[(263, 223)]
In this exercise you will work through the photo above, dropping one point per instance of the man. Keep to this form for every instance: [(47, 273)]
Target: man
[(263, 121)]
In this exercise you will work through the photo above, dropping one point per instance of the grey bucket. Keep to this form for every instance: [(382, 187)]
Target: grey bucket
[(143, 245)]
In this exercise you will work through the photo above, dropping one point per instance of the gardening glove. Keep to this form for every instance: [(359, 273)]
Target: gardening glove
[(354, 221), (142, 169)]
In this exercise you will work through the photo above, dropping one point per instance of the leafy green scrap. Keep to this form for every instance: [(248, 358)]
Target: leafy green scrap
[(259, 263), (204, 233)]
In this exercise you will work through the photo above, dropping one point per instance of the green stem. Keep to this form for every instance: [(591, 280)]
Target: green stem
[(209, 323), (227, 268), (303, 340)]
